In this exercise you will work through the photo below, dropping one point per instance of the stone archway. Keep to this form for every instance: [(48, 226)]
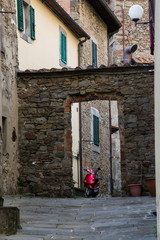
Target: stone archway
[(45, 99)]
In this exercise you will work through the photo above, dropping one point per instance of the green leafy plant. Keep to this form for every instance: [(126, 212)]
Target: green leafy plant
[(20, 181), (155, 231), (19, 226)]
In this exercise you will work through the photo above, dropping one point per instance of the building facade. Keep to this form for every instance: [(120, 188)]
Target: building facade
[(97, 19), (129, 34), (9, 164), (47, 36)]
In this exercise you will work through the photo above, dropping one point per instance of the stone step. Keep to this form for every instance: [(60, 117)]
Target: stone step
[(85, 219), (21, 237)]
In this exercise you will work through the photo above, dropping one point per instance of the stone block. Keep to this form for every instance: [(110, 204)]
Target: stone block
[(9, 220)]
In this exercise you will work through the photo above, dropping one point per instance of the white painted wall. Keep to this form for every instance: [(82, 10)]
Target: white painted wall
[(75, 144), (157, 111), (44, 52), (116, 153)]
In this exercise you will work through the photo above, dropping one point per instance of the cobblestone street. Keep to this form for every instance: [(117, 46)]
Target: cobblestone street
[(105, 218)]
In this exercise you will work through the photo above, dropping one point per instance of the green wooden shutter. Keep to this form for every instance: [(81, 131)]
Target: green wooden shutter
[(94, 54), (96, 130), (32, 22), (63, 48), (20, 15)]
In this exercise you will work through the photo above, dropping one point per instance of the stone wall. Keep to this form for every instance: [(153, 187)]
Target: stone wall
[(45, 100), (8, 100), (92, 23), (132, 35)]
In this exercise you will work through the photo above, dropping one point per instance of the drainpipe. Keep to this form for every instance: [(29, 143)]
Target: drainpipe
[(80, 44), (110, 128), (123, 26), (127, 57), (80, 143), (0, 89)]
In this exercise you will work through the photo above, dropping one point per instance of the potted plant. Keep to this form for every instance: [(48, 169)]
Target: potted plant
[(150, 180), (136, 188), (151, 184)]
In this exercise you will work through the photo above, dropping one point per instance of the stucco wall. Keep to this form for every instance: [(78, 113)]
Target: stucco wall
[(116, 149), (44, 51), (8, 101), (45, 123)]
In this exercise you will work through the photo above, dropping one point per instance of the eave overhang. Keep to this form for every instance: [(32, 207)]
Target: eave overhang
[(65, 18), (102, 8)]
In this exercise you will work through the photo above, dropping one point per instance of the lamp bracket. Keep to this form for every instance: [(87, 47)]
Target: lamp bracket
[(7, 12), (141, 23)]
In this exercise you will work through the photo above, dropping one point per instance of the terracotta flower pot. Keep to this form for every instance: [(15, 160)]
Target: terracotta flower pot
[(151, 184), (135, 189)]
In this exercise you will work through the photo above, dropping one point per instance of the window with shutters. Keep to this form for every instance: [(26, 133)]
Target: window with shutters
[(32, 22), (63, 47), (94, 54), (26, 20), (95, 129)]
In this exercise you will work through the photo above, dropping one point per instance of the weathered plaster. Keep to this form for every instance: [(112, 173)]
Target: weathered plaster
[(8, 96)]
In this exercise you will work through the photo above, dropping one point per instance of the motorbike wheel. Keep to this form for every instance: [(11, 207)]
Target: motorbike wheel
[(88, 192), (94, 194)]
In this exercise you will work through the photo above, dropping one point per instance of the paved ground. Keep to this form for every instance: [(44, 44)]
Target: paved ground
[(85, 219)]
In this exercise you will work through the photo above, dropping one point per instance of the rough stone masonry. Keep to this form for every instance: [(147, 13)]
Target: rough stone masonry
[(45, 99)]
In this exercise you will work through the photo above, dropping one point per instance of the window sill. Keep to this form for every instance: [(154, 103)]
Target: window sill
[(95, 148), (62, 64), (26, 38)]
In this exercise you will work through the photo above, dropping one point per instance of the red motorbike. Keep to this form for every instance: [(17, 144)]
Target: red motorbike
[(91, 183)]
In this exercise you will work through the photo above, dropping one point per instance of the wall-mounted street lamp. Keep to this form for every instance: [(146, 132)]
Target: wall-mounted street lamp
[(136, 13)]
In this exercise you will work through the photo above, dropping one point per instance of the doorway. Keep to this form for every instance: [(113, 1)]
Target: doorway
[(96, 143)]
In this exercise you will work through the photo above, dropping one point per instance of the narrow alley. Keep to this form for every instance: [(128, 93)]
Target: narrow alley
[(129, 218)]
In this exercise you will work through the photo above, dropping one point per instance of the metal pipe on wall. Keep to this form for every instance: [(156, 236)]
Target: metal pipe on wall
[(0, 88), (80, 44), (123, 26), (80, 143), (110, 128)]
